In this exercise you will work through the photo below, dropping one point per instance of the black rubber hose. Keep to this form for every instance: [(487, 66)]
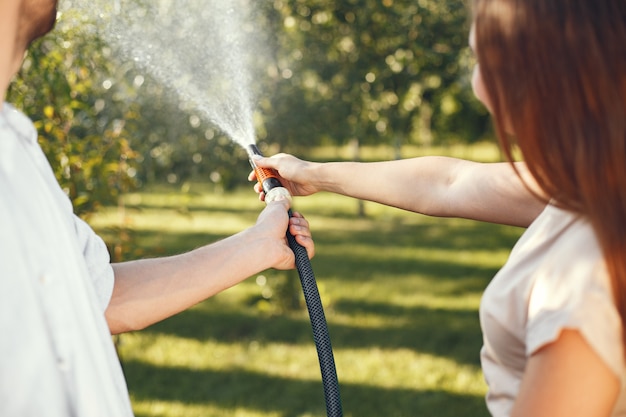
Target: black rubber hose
[(320, 328), (270, 183)]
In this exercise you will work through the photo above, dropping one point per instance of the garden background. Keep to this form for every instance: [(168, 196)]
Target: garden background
[(347, 80)]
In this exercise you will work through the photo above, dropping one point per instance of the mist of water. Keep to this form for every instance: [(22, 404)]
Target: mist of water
[(200, 49)]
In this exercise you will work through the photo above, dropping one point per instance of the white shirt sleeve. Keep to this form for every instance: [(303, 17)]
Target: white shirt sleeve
[(98, 261), (575, 293)]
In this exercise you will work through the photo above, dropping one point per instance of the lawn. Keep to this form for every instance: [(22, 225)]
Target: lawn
[(400, 292)]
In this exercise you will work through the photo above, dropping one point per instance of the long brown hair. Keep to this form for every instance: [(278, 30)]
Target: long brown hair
[(555, 73)]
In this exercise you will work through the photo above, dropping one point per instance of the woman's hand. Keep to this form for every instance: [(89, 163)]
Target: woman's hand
[(295, 174)]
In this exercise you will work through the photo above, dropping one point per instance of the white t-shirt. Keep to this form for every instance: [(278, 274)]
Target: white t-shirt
[(555, 278), (57, 358)]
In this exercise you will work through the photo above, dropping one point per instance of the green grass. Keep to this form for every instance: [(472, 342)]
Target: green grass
[(400, 292)]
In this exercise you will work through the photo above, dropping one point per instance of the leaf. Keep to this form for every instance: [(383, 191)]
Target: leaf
[(48, 111)]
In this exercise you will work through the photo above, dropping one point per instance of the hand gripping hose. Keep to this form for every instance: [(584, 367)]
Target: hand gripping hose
[(269, 180)]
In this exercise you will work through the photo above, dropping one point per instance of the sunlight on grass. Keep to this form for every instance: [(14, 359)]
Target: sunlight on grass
[(370, 367), (376, 367), (401, 293), (178, 409), (404, 368), (164, 220)]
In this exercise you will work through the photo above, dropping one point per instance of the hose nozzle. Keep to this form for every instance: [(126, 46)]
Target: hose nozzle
[(267, 177)]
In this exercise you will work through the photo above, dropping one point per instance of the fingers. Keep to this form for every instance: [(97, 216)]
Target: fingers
[(257, 187), (299, 228), (276, 162), (264, 162), (260, 162)]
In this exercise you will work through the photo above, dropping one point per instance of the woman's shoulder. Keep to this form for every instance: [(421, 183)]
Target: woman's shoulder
[(571, 288)]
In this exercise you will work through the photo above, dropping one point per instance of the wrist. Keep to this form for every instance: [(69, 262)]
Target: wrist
[(316, 176), (327, 177), (259, 248)]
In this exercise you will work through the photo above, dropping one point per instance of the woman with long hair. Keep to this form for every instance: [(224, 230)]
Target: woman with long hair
[(553, 75)]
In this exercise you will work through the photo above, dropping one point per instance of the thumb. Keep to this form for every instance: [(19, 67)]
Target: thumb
[(264, 162), (279, 199)]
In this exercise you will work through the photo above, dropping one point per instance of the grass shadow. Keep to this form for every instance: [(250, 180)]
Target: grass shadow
[(393, 253), (240, 389), (450, 333)]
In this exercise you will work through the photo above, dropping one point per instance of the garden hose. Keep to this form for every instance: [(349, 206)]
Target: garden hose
[(272, 187)]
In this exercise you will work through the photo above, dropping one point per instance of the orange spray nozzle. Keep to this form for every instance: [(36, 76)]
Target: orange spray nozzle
[(267, 177), (263, 174)]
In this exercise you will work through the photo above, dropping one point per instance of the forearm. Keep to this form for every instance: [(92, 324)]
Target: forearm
[(150, 290), (411, 184), (436, 186)]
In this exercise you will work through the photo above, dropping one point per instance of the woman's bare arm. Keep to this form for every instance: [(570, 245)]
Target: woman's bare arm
[(432, 185)]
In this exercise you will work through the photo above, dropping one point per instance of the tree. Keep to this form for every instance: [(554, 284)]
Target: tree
[(380, 71), (350, 71), (64, 87)]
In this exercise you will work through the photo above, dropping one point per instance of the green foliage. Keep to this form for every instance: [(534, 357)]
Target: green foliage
[(391, 72), (381, 72), (83, 129)]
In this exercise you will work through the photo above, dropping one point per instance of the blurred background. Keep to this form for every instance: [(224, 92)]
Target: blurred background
[(353, 72), (346, 80)]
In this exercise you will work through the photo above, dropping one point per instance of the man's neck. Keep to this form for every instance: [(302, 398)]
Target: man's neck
[(10, 56)]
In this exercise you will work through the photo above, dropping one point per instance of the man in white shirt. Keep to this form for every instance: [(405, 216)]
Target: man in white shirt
[(60, 298)]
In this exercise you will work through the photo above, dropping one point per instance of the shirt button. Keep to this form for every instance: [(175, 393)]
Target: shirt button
[(45, 279)]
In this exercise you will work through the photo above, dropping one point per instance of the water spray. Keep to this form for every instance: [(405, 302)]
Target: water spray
[(173, 42), (272, 187)]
